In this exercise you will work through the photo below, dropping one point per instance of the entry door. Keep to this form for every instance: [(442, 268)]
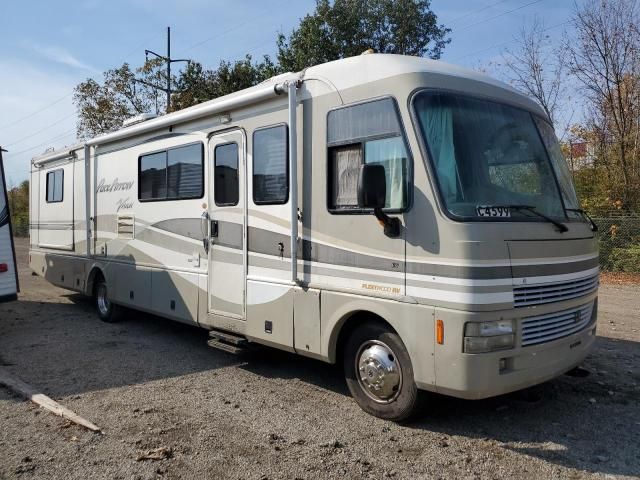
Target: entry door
[(227, 226)]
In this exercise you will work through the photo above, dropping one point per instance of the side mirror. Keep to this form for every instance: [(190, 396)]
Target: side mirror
[(372, 186), (372, 193)]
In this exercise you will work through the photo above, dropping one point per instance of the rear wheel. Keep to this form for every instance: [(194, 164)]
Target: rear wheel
[(379, 374), (107, 310)]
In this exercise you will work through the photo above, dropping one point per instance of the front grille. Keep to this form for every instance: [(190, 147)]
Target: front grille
[(553, 292), (544, 328)]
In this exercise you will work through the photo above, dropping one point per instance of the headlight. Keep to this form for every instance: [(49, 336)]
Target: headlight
[(481, 337)]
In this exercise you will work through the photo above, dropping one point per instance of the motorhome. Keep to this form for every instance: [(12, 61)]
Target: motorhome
[(8, 269), (412, 220)]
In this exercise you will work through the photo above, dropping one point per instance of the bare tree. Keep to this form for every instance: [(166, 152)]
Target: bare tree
[(604, 57), (538, 70)]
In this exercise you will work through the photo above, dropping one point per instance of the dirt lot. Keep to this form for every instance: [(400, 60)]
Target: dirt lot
[(151, 383)]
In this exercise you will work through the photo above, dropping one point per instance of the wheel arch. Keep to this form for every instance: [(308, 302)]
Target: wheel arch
[(95, 273), (346, 324)]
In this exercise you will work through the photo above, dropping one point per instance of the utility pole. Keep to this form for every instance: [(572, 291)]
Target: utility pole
[(168, 60)]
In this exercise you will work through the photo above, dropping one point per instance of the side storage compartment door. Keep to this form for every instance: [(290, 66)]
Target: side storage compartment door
[(8, 267), (55, 219)]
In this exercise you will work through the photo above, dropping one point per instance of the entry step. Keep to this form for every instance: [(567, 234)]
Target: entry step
[(227, 342)]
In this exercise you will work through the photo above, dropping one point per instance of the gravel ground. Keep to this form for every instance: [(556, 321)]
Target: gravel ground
[(152, 384)]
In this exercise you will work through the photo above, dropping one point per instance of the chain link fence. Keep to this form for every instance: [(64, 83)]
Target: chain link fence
[(619, 240)]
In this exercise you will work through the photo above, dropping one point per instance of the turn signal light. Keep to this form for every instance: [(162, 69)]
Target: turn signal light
[(4, 267), (439, 332)]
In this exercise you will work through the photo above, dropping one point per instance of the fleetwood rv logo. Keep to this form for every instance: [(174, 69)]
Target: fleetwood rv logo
[(114, 186), (381, 288)]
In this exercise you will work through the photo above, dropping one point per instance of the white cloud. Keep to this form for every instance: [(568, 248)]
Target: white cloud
[(64, 57)]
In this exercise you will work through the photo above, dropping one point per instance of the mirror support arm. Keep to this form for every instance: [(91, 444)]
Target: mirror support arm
[(391, 224)]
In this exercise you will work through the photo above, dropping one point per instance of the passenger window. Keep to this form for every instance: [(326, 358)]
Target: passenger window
[(366, 133), (153, 176), (174, 174), (185, 172), (226, 175), (55, 186), (270, 166)]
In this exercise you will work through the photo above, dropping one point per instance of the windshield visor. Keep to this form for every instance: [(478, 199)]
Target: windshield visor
[(486, 155)]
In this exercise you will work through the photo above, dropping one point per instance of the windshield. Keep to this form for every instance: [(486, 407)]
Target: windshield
[(487, 154)]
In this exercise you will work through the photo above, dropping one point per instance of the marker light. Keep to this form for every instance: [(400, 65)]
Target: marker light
[(440, 332)]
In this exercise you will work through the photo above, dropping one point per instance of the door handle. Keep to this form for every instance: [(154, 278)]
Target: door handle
[(203, 227), (214, 229)]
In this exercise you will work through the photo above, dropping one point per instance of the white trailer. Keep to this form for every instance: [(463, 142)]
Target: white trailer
[(412, 220), (8, 267)]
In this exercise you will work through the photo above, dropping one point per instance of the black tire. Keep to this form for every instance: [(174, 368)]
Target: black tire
[(107, 310), (401, 397)]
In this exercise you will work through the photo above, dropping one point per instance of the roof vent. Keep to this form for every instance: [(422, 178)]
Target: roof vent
[(143, 117)]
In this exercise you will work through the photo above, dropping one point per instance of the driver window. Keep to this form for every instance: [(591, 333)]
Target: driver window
[(371, 133)]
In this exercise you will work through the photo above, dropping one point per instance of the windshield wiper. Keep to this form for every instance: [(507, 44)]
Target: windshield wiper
[(530, 208), (594, 227)]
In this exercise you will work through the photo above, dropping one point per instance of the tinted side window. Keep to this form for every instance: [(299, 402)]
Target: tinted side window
[(226, 174), (270, 166), (174, 174), (153, 176), (55, 186), (366, 133), (185, 172)]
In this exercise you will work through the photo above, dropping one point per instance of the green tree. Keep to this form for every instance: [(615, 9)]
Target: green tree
[(102, 107), (334, 30), (604, 57), (196, 84), (19, 208), (349, 27)]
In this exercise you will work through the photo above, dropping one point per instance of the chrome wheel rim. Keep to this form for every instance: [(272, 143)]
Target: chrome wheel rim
[(378, 371), (103, 302)]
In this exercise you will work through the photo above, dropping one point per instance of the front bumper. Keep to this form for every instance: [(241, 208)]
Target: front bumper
[(475, 376)]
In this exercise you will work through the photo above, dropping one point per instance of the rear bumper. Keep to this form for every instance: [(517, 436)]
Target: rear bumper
[(476, 376)]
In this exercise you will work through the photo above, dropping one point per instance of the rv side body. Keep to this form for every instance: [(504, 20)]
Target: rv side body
[(8, 267), (225, 263)]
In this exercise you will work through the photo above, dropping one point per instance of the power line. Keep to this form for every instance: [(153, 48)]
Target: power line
[(46, 142), (504, 43), (479, 10), (32, 114), (235, 27), (246, 51), (41, 130), (501, 14), (55, 102), (197, 44)]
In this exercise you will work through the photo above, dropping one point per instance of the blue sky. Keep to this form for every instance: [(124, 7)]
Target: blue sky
[(46, 48)]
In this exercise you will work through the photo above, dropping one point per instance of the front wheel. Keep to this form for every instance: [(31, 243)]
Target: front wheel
[(379, 374), (107, 310)]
